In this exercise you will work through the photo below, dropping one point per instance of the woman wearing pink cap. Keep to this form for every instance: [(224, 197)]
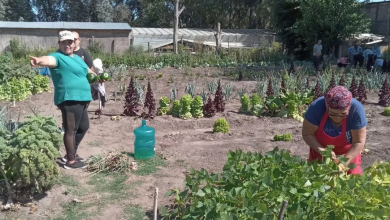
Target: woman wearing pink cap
[(336, 119)]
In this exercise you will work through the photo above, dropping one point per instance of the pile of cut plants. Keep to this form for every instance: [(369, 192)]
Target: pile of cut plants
[(113, 161), (254, 186)]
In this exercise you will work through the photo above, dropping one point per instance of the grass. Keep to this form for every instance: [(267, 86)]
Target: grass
[(111, 189), (134, 212), (148, 166)]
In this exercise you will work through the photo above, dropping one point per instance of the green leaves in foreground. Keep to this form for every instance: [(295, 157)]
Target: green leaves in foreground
[(253, 186)]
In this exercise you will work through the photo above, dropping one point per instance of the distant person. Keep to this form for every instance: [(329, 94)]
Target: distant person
[(72, 94), (356, 55), (317, 54), (343, 61), (378, 63), (377, 52), (97, 87), (81, 52), (368, 55)]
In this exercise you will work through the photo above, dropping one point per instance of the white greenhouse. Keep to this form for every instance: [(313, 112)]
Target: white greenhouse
[(152, 38)]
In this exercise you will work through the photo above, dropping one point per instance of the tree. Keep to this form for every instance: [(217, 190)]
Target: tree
[(101, 11), (18, 10), (331, 20), (218, 36), (2, 10), (176, 25), (48, 10), (75, 10), (121, 14), (283, 14)]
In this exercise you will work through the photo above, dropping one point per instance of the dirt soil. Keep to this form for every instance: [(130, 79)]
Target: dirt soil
[(184, 143)]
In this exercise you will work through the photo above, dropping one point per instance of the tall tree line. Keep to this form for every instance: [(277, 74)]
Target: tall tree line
[(145, 13), (299, 23)]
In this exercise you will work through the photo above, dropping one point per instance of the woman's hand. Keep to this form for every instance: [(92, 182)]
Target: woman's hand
[(34, 60)]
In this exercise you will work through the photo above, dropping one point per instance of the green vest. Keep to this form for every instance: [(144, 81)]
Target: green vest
[(70, 78)]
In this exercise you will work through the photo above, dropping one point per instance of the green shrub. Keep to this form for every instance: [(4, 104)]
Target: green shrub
[(387, 111), (175, 110), (197, 107), (245, 102), (221, 125), (185, 106), (283, 137), (164, 106), (255, 100), (253, 186), (35, 147)]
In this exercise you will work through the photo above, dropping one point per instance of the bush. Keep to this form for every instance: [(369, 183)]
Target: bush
[(164, 106), (386, 112), (185, 106), (221, 125), (253, 186), (197, 107), (283, 137), (175, 110), (34, 149), (245, 103)]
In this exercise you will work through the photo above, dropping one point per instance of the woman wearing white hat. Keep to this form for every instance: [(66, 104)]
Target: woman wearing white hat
[(72, 94)]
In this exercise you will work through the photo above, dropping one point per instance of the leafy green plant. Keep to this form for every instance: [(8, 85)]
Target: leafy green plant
[(255, 100), (386, 112), (253, 186), (164, 106), (283, 137), (35, 146), (185, 106), (221, 125), (40, 84), (245, 104), (197, 107), (175, 110)]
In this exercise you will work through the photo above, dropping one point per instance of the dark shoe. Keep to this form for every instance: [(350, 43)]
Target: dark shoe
[(65, 159), (76, 165)]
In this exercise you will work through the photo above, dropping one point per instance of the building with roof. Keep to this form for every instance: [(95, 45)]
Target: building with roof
[(114, 37), (153, 38)]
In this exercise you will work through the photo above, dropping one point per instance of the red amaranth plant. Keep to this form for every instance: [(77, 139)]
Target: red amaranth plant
[(269, 88), (362, 93), (131, 103), (384, 94), (342, 80), (218, 99), (150, 103), (317, 91), (209, 108), (332, 83), (283, 86), (354, 88)]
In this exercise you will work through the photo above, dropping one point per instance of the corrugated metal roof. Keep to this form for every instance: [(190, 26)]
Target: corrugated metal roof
[(66, 25), (200, 32)]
